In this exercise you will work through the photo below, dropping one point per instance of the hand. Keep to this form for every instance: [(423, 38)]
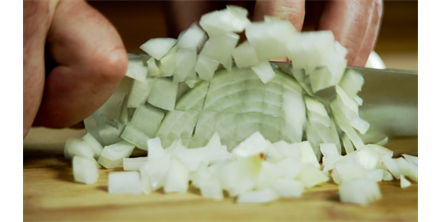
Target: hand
[(354, 23), (89, 56)]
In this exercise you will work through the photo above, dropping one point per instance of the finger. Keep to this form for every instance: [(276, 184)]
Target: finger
[(37, 17), (371, 36), (181, 14), (348, 20), (92, 61), (292, 10)]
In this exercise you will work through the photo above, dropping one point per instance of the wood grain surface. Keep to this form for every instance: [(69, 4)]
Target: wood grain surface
[(50, 194)]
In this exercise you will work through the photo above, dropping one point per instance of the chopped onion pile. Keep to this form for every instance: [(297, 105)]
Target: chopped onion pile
[(250, 128)]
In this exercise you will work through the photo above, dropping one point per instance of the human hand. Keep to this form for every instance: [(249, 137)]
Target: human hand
[(354, 23), (89, 62)]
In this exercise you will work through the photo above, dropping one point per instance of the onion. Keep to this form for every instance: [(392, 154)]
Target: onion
[(136, 70), (177, 177), (139, 92), (125, 182), (193, 37), (113, 155), (134, 163), (264, 71), (245, 55), (158, 47), (311, 176), (308, 155), (288, 188), (220, 47), (163, 94), (231, 19), (411, 159), (259, 196), (404, 182), (205, 67), (84, 170), (251, 146), (359, 191)]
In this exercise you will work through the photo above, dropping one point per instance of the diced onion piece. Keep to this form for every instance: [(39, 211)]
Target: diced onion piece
[(156, 169), (294, 112), (288, 188), (185, 60), (206, 67), (134, 163), (368, 158), (316, 107), (112, 155), (411, 159), (125, 182), (258, 196), (211, 188), (404, 182), (350, 171), (245, 55), (288, 150), (94, 144), (152, 68), (309, 50), (84, 170), (359, 191), (330, 155), (163, 94), (219, 48), (158, 47), (407, 168), (77, 147), (147, 119), (177, 177), (139, 92), (193, 37), (352, 82), (136, 70), (358, 100), (351, 133), (391, 165), (264, 71), (273, 155), (245, 184), (167, 63), (348, 145), (133, 136), (375, 174), (191, 158), (251, 146), (386, 176), (308, 156), (155, 149), (269, 38), (288, 169), (145, 179), (228, 175), (311, 176), (231, 19)]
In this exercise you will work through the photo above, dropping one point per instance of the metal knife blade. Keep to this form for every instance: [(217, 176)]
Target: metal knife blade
[(390, 100)]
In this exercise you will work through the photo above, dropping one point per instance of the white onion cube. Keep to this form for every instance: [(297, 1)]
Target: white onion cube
[(245, 55), (251, 146), (288, 188), (193, 37), (134, 163), (84, 170), (264, 71), (404, 182), (136, 70), (177, 177), (125, 182), (219, 48), (206, 67), (231, 19), (359, 191), (259, 196), (158, 47)]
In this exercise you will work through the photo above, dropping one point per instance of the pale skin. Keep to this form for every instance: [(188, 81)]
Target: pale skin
[(90, 58)]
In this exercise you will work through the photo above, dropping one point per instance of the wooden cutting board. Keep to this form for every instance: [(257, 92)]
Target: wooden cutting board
[(50, 194)]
